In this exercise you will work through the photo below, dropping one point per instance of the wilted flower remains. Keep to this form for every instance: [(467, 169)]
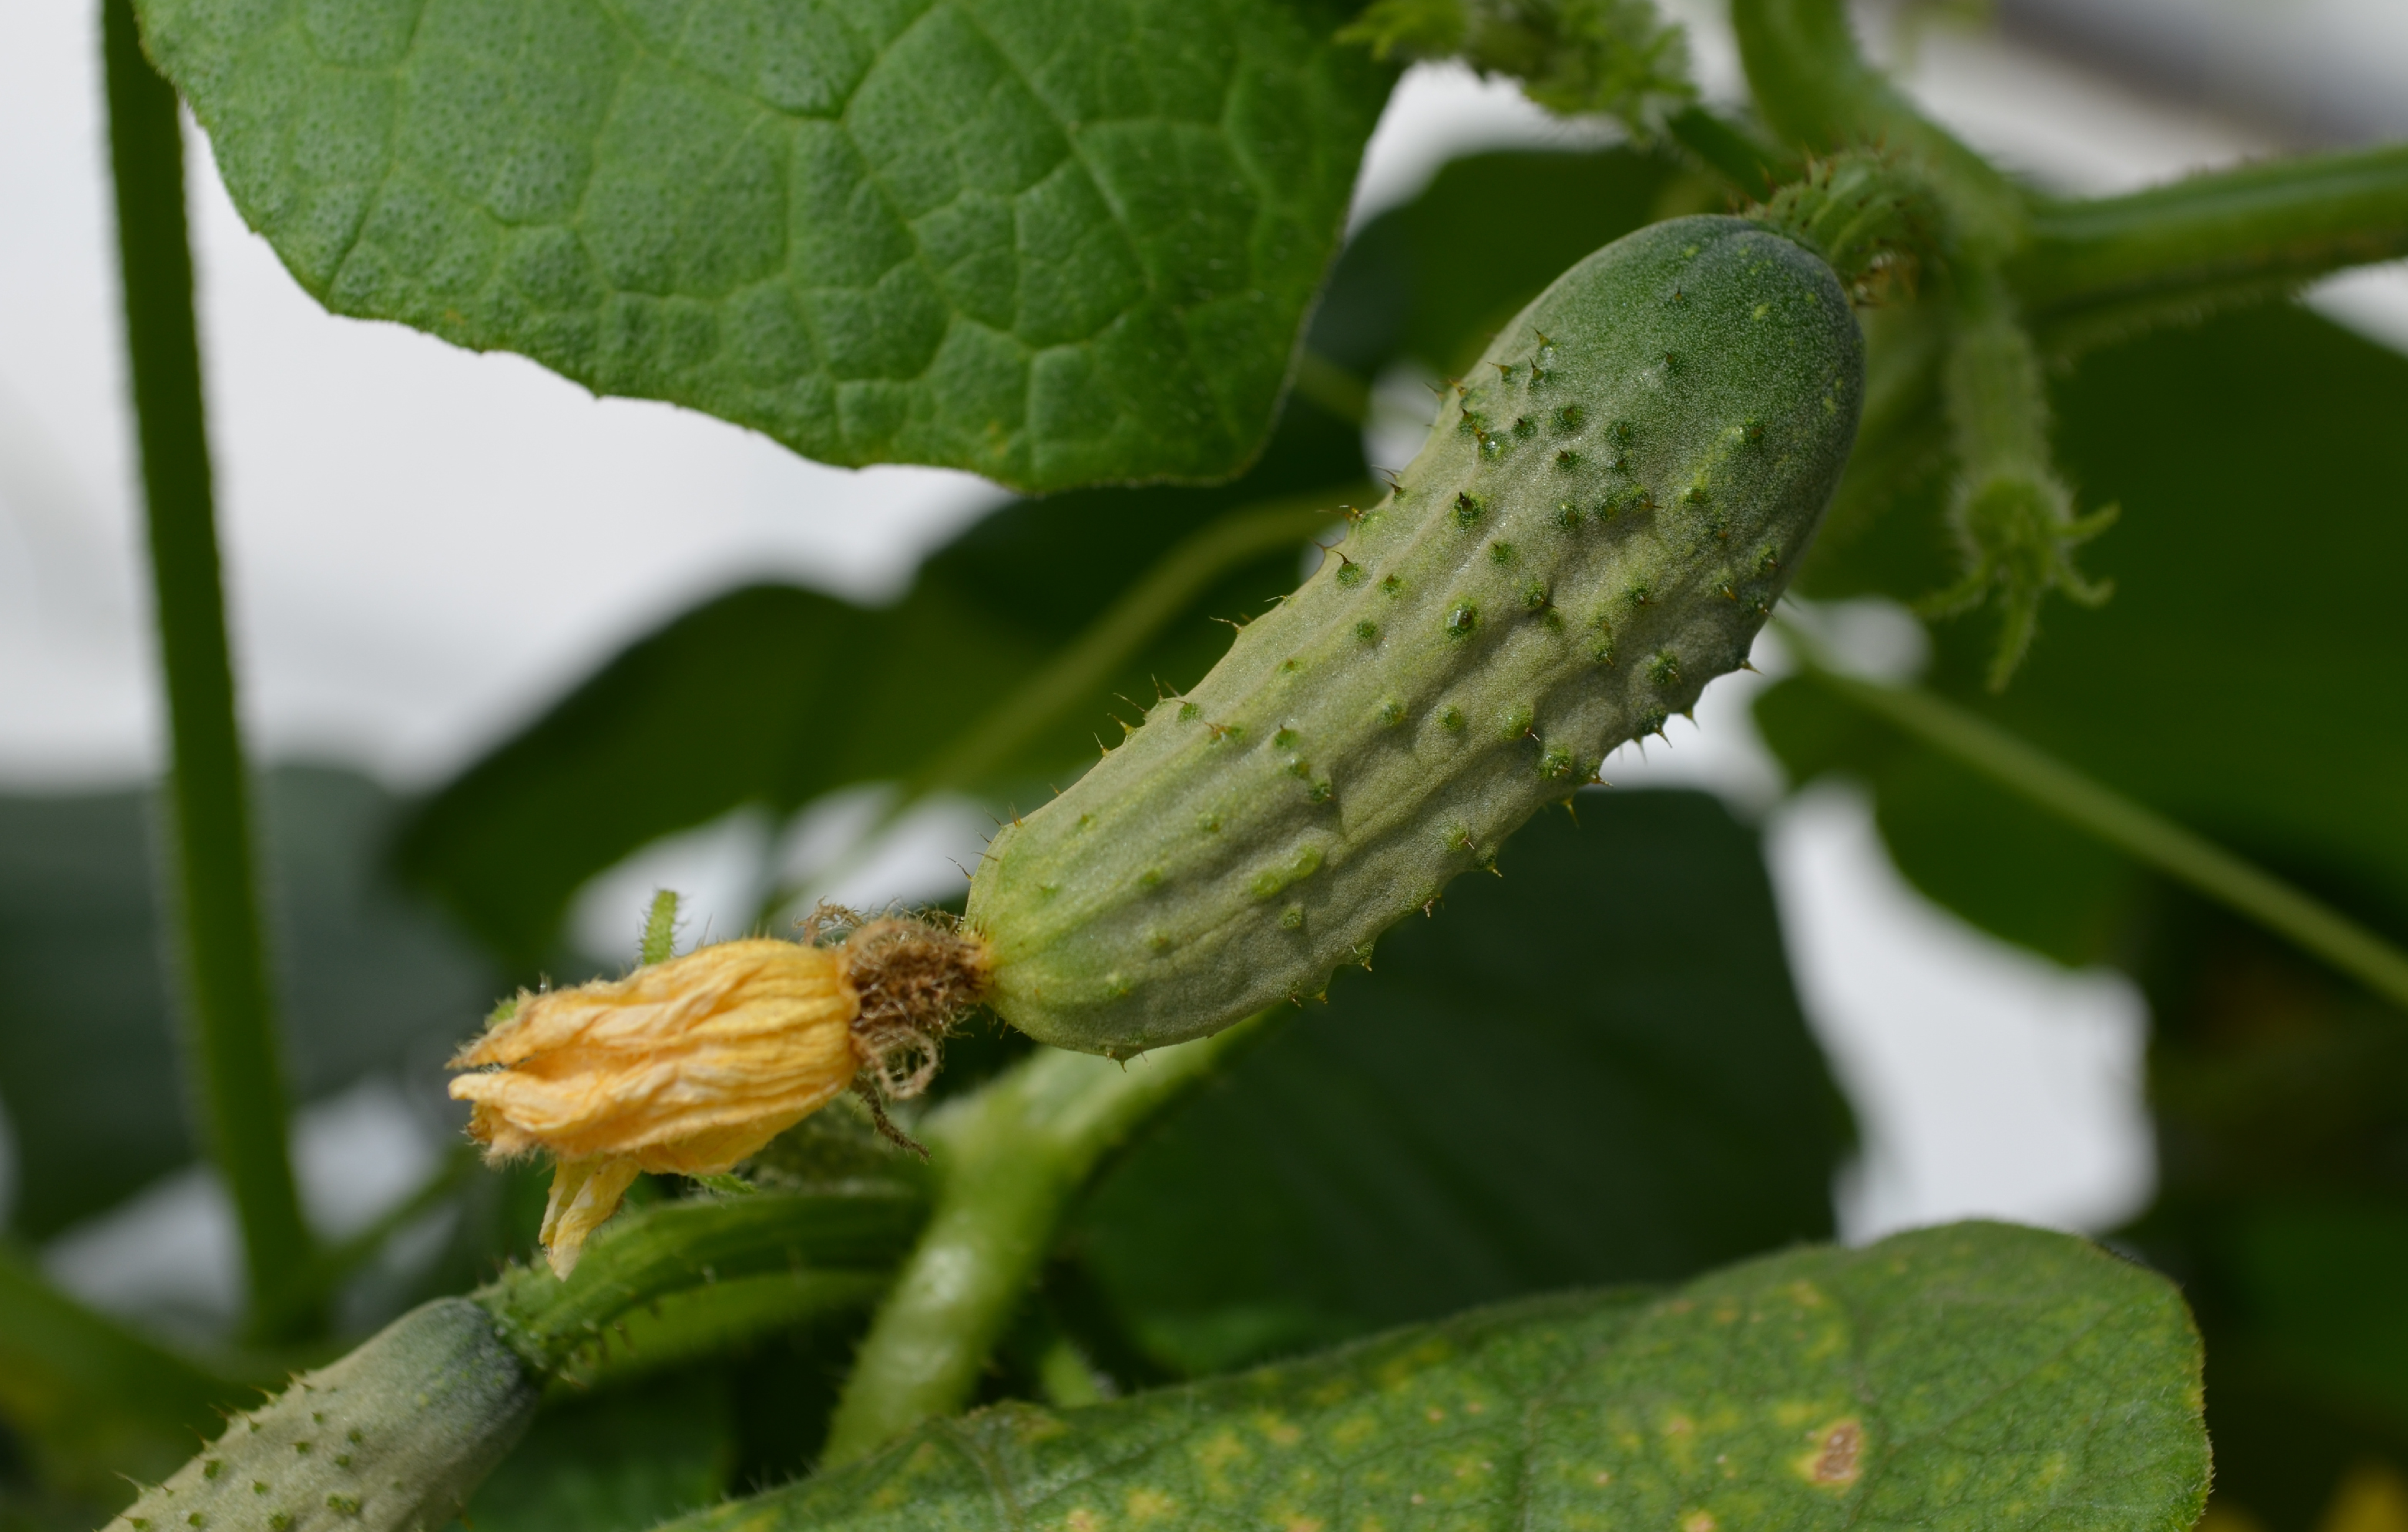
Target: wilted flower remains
[(694, 1064)]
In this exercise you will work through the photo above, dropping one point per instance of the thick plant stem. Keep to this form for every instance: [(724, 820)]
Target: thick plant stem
[(2140, 831), (1817, 90), (228, 1012), (1009, 1159), (678, 1247), (2230, 232)]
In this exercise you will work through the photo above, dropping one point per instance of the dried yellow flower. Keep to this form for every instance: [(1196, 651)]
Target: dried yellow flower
[(687, 1065)]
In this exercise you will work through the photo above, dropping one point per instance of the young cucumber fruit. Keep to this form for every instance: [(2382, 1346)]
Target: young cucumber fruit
[(390, 1438), (1601, 521)]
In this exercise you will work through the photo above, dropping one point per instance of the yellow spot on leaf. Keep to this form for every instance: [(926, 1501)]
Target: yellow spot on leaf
[(1697, 1520), (1146, 1505), (1082, 1520), (1836, 1458), (1220, 1450)]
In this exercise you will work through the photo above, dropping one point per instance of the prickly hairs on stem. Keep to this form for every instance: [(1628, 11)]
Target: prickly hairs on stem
[(691, 1064), (1864, 213)]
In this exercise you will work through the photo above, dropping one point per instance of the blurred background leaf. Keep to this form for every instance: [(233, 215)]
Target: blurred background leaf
[(89, 1055), (1592, 1069), (2240, 682)]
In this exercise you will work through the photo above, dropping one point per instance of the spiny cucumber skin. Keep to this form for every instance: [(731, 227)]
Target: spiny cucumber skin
[(390, 1438), (1598, 524)]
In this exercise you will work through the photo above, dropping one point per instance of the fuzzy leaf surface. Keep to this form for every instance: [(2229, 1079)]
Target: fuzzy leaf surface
[(1054, 243), (1978, 1376)]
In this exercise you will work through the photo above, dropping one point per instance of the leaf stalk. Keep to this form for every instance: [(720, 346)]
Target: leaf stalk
[(2139, 831), (1009, 1160)]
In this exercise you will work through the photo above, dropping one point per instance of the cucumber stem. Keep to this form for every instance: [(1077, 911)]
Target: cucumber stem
[(1009, 1160), (228, 1005), (1752, 166), (2113, 264), (678, 1246), (1817, 90), (2142, 833)]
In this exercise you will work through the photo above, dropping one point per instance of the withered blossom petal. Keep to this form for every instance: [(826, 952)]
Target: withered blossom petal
[(687, 1065)]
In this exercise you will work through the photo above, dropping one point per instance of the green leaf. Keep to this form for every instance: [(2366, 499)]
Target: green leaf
[(776, 695), (1055, 242), (88, 1057), (2236, 681), (94, 1400), (1979, 1376), (619, 1463), (1592, 1069)]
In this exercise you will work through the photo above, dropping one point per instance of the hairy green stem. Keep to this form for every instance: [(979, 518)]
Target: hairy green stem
[(1752, 166), (2245, 233), (1817, 90), (2013, 516), (675, 1247), (1010, 1160), (229, 1011), (2137, 830)]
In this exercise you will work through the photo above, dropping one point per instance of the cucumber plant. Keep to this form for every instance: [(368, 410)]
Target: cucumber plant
[(1071, 246)]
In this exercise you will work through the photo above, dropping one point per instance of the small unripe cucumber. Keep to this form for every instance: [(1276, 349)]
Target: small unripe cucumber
[(1599, 522), (390, 1438)]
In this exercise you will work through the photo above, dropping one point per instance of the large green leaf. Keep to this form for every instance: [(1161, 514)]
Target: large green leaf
[(1979, 1376), (88, 1054), (1592, 1069), (1055, 242), (2281, 1096)]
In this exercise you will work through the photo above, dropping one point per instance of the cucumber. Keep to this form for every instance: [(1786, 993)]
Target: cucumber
[(1599, 522), (390, 1438)]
